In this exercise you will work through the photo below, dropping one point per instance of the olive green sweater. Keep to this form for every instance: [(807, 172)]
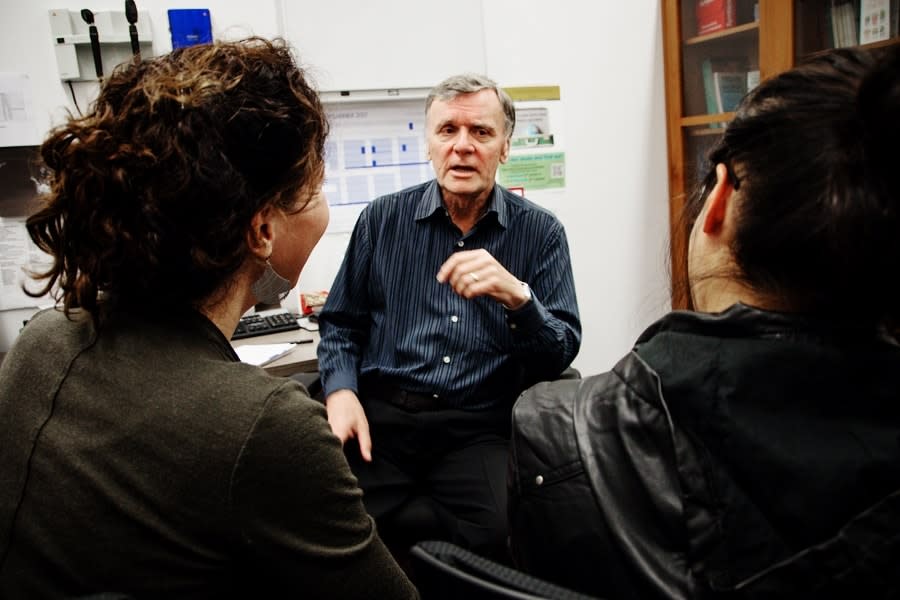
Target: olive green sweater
[(148, 460)]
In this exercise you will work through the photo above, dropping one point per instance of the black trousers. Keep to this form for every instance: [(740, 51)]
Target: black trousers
[(436, 474)]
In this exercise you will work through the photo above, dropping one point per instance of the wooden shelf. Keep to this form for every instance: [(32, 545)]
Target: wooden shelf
[(723, 33), (883, 43), (698, 132), (695, 120), (786, 33), (880, 44), (764, 40)]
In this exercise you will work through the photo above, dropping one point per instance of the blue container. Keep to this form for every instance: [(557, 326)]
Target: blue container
[(189, 27)]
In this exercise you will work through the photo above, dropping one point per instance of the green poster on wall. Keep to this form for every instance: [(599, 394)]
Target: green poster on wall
[(534, 171)]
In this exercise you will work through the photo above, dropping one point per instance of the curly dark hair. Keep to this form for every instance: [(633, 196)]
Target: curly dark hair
[(153, 191)]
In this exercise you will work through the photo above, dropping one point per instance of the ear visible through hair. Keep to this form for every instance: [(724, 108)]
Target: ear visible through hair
[(259, 235), (717, 201), (504, 154)]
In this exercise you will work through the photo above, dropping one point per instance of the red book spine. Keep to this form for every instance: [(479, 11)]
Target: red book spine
[(713, 15)]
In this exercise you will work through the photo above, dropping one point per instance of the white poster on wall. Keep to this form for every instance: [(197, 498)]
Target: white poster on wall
[(537, 160), (373, 149), (17, 124), (378, 147), (18, 255)]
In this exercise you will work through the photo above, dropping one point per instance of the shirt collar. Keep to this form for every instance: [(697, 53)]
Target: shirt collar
[(432, 203)]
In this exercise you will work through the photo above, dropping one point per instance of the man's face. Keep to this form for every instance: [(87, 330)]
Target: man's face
[(466, 143)]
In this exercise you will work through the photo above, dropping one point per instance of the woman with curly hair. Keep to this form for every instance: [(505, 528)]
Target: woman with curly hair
[(137, 454)]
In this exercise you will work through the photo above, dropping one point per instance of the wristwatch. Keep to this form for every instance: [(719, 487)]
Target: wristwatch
[(527, 293), (527, 297)]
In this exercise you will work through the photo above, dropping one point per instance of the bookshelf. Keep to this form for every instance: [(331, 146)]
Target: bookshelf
[(768, 36)]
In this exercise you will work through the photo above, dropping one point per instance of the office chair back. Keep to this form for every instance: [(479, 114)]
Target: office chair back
[(445, 571)]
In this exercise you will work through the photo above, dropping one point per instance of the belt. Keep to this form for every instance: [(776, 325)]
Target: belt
[(411, 401)]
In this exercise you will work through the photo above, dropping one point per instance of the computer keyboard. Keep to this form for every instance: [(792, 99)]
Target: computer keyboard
[(255, 324)]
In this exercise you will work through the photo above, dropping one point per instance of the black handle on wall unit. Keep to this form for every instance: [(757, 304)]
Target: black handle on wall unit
[(131, 15), (88, 18)]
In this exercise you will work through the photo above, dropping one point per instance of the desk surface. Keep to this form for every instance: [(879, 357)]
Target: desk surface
[(301, 359)]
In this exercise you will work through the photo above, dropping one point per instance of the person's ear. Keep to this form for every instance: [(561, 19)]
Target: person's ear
[(504, 154), (717, 201), (260, 235)]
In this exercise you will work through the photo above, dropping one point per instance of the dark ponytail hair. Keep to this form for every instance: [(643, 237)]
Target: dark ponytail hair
[(814, 152)]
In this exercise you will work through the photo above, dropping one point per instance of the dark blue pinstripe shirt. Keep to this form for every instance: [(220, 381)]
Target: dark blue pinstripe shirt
[(388, 317)]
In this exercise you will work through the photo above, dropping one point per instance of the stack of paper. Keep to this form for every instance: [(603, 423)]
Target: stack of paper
[(262, 354)]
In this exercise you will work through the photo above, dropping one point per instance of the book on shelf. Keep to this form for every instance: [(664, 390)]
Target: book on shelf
[(752, 79), (709, 92), (724, 82), (844, 27), (895, 18), (714, 15), (730, 87), (874, 21)]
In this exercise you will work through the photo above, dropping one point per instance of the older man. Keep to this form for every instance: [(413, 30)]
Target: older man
[(454, 296)]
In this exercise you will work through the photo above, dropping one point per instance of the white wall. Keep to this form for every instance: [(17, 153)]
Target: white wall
[(607, 59), (608, 63), (26, 44)]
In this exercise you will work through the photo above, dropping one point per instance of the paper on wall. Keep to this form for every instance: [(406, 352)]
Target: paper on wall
[(17, 124), (18, 254), (373, 149)]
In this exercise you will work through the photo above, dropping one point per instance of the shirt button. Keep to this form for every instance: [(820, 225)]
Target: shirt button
[(460, 243), (454, 319), (539, 480), (446, 360), (512, 325), (434, 396)]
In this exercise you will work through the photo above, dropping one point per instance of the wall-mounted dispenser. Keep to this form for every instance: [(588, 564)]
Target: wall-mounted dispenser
[(72, 41)]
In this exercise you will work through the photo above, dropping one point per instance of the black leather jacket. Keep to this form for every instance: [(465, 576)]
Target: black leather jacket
[(726, 454)]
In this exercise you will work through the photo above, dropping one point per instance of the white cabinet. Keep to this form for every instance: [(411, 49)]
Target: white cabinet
[(72, 42)]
